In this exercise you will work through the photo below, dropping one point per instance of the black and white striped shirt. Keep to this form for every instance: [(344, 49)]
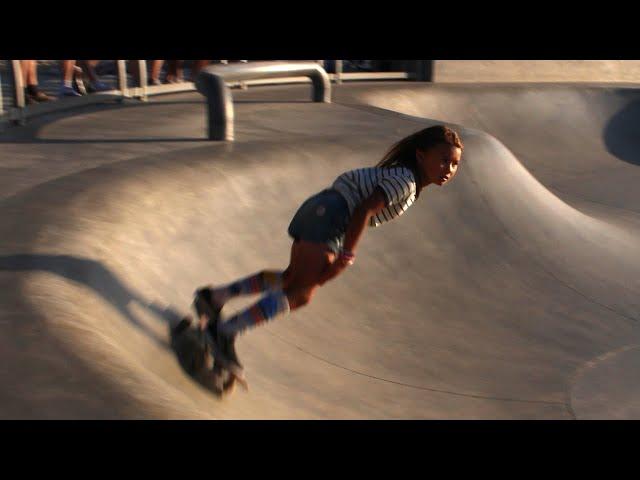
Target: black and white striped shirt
[(398, 184)]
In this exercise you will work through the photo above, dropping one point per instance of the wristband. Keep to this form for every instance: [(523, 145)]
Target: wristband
[(348, 256)]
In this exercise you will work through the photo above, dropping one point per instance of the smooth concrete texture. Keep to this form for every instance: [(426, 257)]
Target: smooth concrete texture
[(511, 293), (537, 71)]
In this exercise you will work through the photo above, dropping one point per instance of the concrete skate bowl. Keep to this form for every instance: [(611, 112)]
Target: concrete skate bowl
[(491, 298), (577, 139)]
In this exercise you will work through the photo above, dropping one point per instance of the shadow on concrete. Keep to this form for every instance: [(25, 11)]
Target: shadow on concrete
[(187, 345), (622, 133), (101, 280)]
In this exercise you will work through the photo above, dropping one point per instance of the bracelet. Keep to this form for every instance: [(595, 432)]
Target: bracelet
[(348, 256)]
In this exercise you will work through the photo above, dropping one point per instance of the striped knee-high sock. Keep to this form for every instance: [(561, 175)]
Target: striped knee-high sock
[(269, 307), (259, 282)]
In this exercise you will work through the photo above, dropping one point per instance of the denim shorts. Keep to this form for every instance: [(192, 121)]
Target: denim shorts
[(322, 218)]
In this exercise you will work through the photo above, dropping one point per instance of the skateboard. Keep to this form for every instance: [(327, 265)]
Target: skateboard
[(201, 353)]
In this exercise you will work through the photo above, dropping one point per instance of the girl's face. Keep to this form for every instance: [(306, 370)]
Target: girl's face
[(438, 164)]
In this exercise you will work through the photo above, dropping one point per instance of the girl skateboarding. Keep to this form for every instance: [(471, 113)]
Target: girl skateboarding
[(327, 227)]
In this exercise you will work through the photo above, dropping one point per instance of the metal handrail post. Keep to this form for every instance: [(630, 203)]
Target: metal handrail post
[(425, 70), (212, 83), (122, 78), (338, 75), (142, 79), (1, 101)]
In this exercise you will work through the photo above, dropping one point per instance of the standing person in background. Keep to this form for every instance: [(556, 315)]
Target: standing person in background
[(174, 73), (32, 93), (68, 68), (154, 74), (95, 84)]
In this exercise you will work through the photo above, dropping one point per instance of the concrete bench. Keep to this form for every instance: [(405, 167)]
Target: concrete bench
[(212, 83)]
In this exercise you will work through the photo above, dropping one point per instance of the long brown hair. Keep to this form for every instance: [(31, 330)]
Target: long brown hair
[(403, 153)]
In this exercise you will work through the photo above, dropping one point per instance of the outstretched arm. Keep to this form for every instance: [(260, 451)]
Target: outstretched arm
[(359, 220)]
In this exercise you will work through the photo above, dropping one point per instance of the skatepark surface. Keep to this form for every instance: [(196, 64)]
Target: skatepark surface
[(511, 293)]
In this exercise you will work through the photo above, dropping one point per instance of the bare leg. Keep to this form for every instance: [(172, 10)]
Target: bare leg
[(30, 79), (156, 68), (29, 76), (174, 74), (309, 261), (89, 68), (68, 72), (67, 67)]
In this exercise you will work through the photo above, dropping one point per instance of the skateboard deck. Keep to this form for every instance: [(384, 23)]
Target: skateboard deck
[(201, 352), (192, 352)]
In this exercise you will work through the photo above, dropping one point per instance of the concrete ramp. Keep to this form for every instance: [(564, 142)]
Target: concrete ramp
[(578, 140), (492, 297)]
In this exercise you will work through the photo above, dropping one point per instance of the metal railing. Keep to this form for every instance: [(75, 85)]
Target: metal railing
[(1, 99), (213, 81), (16, 110)]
